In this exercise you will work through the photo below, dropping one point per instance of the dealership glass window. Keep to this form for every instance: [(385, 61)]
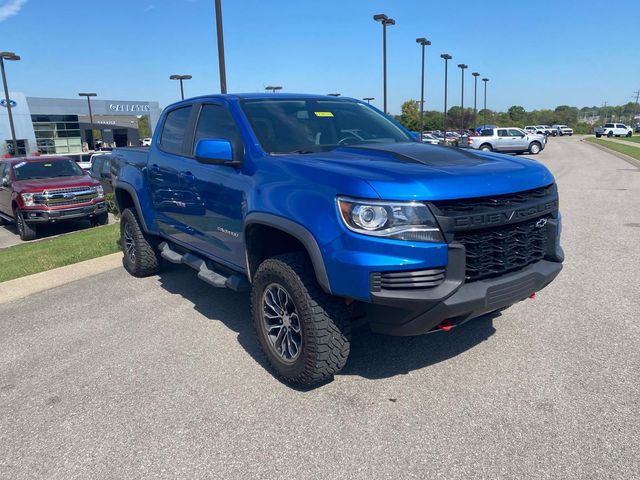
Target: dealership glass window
[(22, 147), (57, 133)]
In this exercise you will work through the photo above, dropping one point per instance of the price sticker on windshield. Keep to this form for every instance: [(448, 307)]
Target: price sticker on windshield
[(323, 114)]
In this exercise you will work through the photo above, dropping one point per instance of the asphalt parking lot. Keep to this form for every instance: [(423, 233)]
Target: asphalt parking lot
[(117, 377)]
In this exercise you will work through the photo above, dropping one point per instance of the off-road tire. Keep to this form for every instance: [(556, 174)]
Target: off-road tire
[(102, 219), (324, 320), (146, 259), (486, 148), (27, 232), (535, 148)]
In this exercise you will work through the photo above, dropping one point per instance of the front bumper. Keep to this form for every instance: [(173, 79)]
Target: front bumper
[(418, 316), (60, 214)]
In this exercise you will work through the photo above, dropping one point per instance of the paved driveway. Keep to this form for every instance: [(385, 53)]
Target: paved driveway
[(117, 377)]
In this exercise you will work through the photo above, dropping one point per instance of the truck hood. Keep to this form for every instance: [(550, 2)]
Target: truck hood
[(29, 186), (414, 171)]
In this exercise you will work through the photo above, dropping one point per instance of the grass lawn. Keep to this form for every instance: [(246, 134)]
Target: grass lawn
[(34, 257), (630, 150)]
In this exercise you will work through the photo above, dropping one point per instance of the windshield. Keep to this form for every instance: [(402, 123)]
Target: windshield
[(63, 167), (312, 125)]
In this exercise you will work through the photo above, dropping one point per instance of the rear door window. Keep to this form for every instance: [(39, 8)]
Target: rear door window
[(173, 130), (503, 132)]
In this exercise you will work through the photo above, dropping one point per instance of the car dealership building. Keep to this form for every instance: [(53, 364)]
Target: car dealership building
[(62, 125)]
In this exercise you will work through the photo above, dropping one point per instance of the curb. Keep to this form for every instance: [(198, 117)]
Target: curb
[(24, 286), (622, 156)]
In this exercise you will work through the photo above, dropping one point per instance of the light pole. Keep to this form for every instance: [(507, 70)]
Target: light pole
[(181, 78), (382, 18), (475, 96), (484, 119), (89, 95), (423, 42), (446, 58), (368, 99), (333, 94), (273, 88), (13, 57), (462, 67), (223, 73)]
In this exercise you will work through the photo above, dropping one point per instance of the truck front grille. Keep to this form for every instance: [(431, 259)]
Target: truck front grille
[(66, 196), (499, 250), (407, 280)]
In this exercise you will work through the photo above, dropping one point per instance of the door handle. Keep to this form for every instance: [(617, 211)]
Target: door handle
[(155, 167)]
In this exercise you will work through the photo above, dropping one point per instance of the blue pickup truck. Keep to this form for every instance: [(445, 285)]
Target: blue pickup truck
[(330, 213)]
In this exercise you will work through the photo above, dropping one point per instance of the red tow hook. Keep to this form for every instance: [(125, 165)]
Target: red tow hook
[(533, 296), (445, 326)]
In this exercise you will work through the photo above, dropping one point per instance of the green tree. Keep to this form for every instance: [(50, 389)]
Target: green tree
[(516, 113), (144, 126), (410, 116)]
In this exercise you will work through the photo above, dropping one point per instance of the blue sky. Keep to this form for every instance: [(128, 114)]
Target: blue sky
[(536, 54)]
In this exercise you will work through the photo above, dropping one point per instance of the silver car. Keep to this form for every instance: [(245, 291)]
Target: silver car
[(507, 140)]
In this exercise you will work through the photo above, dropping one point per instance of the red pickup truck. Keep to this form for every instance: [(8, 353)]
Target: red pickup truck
[(37, 191)]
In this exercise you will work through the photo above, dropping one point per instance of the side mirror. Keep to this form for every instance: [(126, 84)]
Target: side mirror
[(216, 151), (5, 182)]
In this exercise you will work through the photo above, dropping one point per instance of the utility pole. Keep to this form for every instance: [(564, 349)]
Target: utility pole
[(221, 67), (382, 18), (637, 95), (604, 106)]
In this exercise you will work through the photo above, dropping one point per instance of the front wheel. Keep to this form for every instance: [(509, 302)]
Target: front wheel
[(101, 219), (141, 255), (610, 134), (26, 231), (629, 134), (303, 331), (598, 135), (535, 148)]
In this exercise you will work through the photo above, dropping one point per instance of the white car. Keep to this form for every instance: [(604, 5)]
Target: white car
[(431, 139), (145, 142), (563, 130), (613, 130)]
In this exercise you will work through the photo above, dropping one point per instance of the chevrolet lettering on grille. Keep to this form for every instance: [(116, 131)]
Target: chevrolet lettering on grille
[(504, 217)]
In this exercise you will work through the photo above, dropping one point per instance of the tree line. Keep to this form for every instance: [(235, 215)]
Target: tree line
[(582, 120)]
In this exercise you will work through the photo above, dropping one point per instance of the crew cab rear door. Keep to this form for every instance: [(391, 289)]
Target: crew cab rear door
[(5, 191), (218, 229)]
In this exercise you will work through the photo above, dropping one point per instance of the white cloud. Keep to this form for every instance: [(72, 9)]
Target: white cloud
[(9, 8)]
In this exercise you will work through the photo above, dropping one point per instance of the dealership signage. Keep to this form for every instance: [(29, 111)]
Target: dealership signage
[(129, 107), (12, 103)]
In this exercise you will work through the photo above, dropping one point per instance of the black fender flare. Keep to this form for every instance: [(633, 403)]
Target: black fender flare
[(134, 195), (301, 234)]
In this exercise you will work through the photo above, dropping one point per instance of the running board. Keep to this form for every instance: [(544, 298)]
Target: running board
[(234, 282)]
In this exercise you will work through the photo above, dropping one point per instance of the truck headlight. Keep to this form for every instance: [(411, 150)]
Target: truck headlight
[(412, 221), (100, 191), (27, 198)]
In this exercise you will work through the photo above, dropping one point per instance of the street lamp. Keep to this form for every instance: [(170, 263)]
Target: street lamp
[(13, 57), (273, 88), (462, 68), (475, 96), (382, 18), (181, 78), (446, 58), (368, 99), (89, 95), (333, 94), (484, 119), (423, 42), (223, 73)]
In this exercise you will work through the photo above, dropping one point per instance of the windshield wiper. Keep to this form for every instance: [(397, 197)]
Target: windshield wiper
[(302, 151)]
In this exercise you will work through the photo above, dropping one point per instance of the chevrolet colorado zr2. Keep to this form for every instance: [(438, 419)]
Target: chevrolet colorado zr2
[(327, 210)]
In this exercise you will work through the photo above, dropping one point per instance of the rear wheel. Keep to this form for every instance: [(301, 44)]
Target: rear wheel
[(534, 148), (26, 231), (486, 148), (629, 134), (141, 255), (303, 332)]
